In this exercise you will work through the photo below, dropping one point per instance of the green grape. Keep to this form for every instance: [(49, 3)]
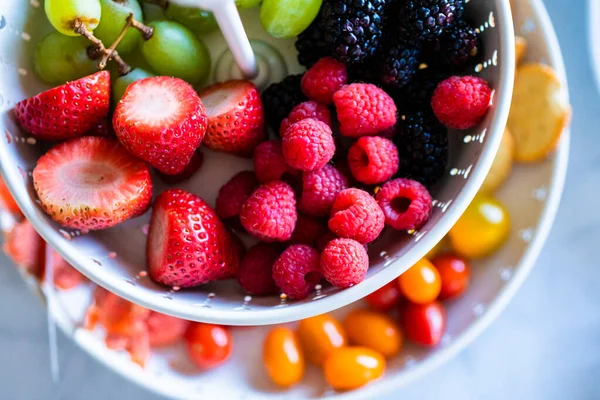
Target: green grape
[(122, 82), (63, 14), (247, 3), (173, 50), (195, 19), (114, 17), (288, 18), (59, 58)]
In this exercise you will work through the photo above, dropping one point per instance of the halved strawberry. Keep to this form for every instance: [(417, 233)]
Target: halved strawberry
[(92, 183), (188, 245), (26, 248), (190, 170), (67, 111), (7, 202), (162, 121), (236, 118)]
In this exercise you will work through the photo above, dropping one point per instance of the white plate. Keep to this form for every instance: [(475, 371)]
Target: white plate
[(532, 195)]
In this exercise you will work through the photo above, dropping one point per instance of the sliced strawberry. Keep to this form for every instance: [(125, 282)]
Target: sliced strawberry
[(189, 170), (7, 202), (65, 276), (92, 183), (164, 329), (67, 111), (188, 245), (162, 121), (26, 248), (236, 118)]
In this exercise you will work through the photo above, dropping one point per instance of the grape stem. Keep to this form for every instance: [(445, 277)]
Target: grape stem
[(147, 31), (98, 48), (111, 50)]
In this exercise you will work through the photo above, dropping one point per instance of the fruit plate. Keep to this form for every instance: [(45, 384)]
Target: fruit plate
[(532, 195), (119, 265)]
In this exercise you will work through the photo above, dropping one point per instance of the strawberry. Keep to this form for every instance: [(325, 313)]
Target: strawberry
[(67, 111), (26, 248), (162, 121), (165, 330), (7, 202), (236, 118), (65, 276), (189, 170), (188, 245), (91, 183)]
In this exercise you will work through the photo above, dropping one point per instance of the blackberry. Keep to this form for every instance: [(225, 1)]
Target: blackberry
[(352, 28), (280, 98), (399, 64), (310, 45), (422, 20), (422, 143), (456, 47), (416, 95)]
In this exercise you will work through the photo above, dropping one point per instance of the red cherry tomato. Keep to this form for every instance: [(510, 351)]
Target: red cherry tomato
[(455, 273), (207, 345), (424, 324), (385, 298)]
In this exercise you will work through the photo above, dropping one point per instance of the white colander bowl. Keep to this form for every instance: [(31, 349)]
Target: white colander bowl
[(115, 258)]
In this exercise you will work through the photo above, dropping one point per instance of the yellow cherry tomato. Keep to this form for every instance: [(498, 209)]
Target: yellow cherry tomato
[(282, 357), (482, 229), (319, 336), (421, 283), (352, 367), (374, 330)]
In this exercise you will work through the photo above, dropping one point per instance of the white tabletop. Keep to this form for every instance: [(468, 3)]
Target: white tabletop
[(546, 345)]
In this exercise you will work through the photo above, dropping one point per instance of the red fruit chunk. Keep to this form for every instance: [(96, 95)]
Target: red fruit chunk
[(455, 274), (7, 202), (308, 109), (364, 109), (65, 276), (66, 111), (236, 118), (424, 324), (188, 245), (208, 345), (26, 248), (92, 183), (308, 230), (269, 164), (460, 102), (385, 298), (356, 215), (270, 212), (296, 271), (406, 204), (255, 274), (162, 121), (319, 189), (323, 79), (234, 194), (373, 160), (165, 330), (190, 170), (308, 145), (344, 262)]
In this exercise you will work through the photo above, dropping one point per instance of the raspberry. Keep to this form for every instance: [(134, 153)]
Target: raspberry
[(356, 215), (255, 273), (308, 145), (307, 231), (323, 79), (319, 189), (460, 102), (364, 109), (308, 109), (270, 212), (296, 271), (234, 194), (269, 164), (406, 204), (344, 262), (373, 160)]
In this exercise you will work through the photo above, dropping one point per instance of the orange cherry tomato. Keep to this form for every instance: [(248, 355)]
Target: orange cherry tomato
[(385, 298), (282, 357), (207, 345), (421, 283), (352, 367), (374, 330), (424, 324), (319, 336), (455, 274)]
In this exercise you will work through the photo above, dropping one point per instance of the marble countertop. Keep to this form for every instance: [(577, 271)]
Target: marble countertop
[(544, 346)]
